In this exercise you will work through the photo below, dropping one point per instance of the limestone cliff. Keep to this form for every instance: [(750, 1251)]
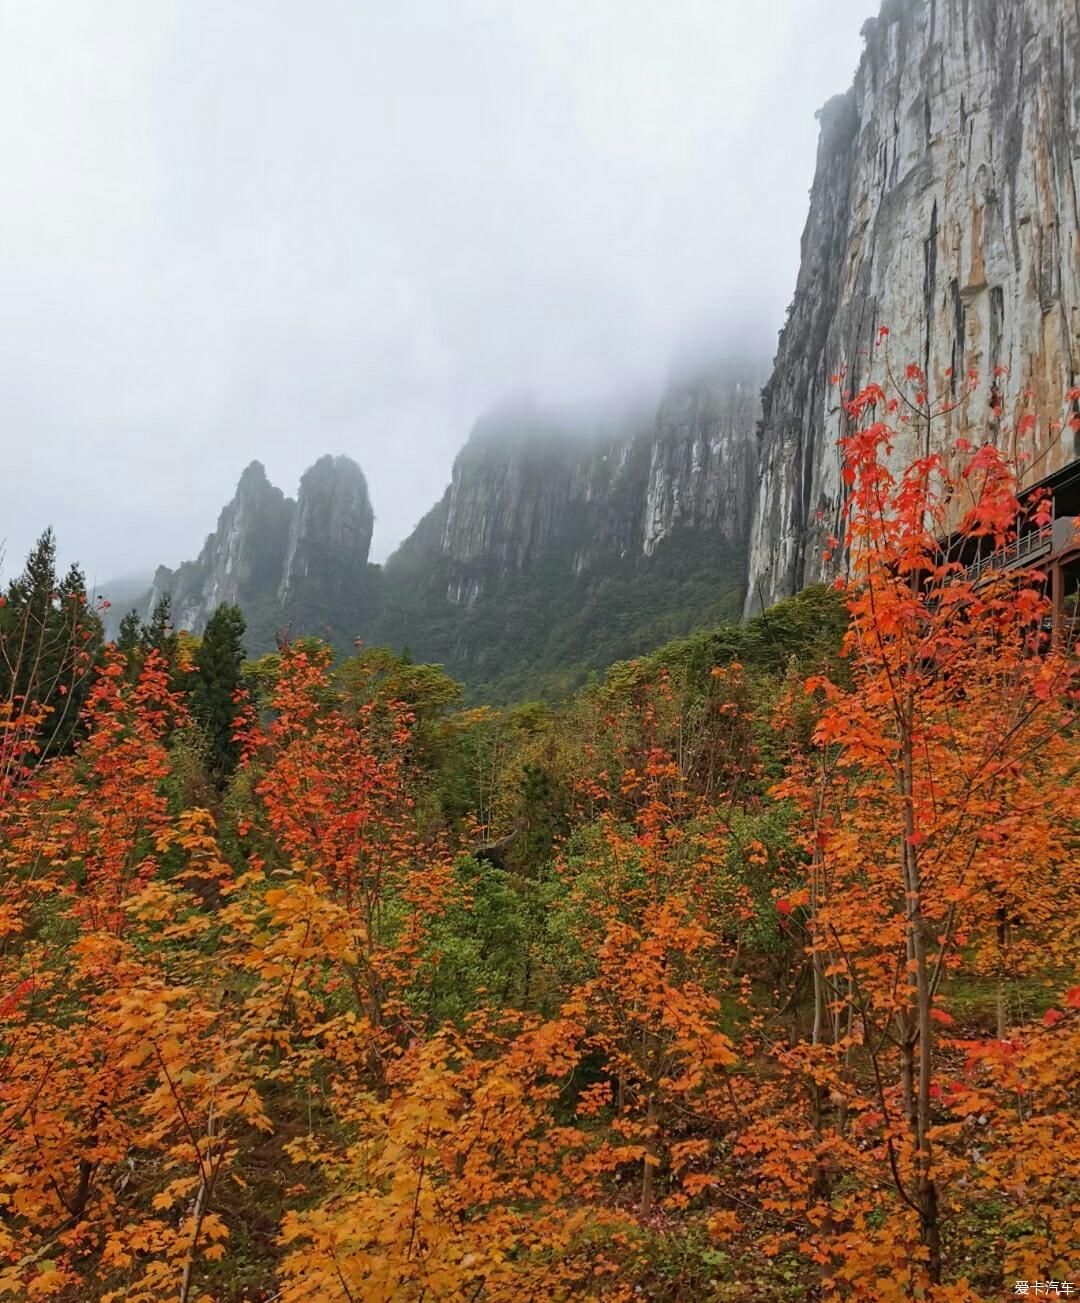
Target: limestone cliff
[(532, 490), (323, 580), (944, 207), (564, 543), (301, 564), (240, 562), (702, 460)]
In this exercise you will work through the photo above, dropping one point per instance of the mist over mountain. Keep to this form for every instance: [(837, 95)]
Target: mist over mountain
[(581, 802), (568, 537), (576, 532), (239, 236)]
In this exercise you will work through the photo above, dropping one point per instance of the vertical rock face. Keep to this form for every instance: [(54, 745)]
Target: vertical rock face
[(330, 537), (703, 460), (564, 544), (240, 561), (530, 490), (300, 564), (944, 207)]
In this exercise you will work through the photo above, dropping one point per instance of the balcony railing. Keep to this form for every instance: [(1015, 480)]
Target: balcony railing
[(1022, 551)]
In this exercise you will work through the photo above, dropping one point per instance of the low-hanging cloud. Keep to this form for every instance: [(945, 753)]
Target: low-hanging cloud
[(266, 228)]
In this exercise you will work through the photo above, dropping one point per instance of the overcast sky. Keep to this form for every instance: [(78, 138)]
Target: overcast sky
[(277, 228)]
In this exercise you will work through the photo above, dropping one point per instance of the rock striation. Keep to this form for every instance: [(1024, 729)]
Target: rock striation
[(329, 539), (531, 489), (301, 563), (564, 543), (240, 562), (702, 458), (944, 206)]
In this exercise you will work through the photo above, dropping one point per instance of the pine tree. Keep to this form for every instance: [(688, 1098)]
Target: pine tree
[(79, 632), (28, 627), (130, 633), (49, 640), (541, 807), (219, 675), (158, 633)]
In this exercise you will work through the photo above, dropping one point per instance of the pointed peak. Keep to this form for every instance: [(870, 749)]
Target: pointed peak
[(335, 475), (254, 487), (328, 464), (253, 473)]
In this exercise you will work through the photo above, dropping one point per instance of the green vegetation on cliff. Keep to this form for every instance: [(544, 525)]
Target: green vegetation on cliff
[(541, 633)]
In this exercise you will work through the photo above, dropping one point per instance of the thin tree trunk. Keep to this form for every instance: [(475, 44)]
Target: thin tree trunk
[(817, 1090), (926, 1191), (1003, 946), (650, 1157), (842, 1112), (198, 1213)]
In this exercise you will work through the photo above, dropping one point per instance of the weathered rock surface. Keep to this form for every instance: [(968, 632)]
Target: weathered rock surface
[(702, 460), (529, 489), (562, 544), (329, 539), (241, 561), (561, 540), (944, 207), (300, 564)]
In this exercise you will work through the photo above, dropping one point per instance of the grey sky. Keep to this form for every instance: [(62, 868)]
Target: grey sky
[(277, 228)]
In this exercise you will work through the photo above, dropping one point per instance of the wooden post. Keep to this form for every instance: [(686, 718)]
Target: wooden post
[(1057, 602)]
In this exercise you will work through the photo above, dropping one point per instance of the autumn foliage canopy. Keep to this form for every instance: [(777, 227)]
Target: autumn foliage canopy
[(757, 978)]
